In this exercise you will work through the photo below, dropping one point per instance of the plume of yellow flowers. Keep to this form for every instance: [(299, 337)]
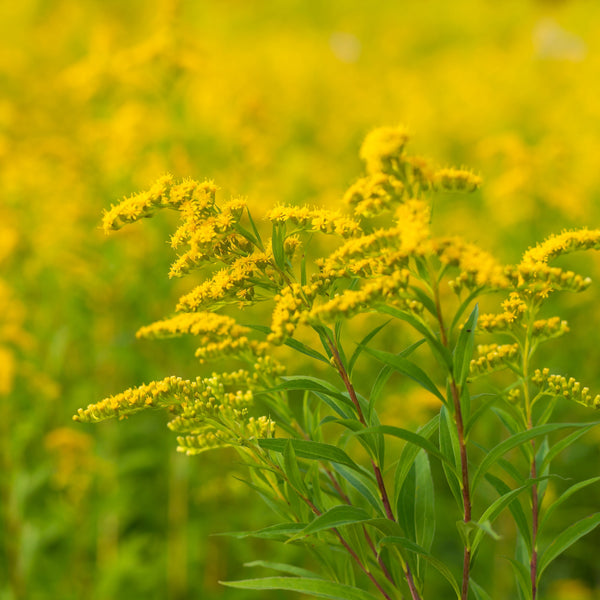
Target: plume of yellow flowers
[(382, 246)]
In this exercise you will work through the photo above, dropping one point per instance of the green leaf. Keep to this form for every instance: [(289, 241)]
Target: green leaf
[(478, 591), (277, 240), (408, 436), (315, 587), (256, 233), (363, 485), (312, 384), (441, 352), (464, 348), (407, 368), (311, 450), (412, 547), (508, 498), (561, 445), (565, 540), (522, 576), (304, 349), (281, 531), (515, 441), (449, 446), (336, 517), (284, 568), (292, 343), (291, 468), (409, 454), (361, 346), (425, 502), (565, 496)]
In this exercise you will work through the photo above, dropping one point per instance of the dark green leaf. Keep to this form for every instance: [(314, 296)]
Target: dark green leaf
[(315, 587), (441, 352), (336, 517), (363, 485), (407, 368), (284, 568), (508, 498), (311, 450), (565, 496), (274, 532), (464, 348), (277, 240), (515, 441), (565, 540), (361, 346), (408, 436), (449, 447), (291, 468), (522, 576), (412, 547)]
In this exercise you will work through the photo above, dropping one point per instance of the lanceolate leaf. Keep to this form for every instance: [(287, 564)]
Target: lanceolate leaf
[(412, 547), (515, 441), (558, 447), (441, 352), (464, 348), (566, 539), (508, 498), (565, 496), (407, 368), (311, 450), (315, 587), (275, 532), (336, 517), (409, 436), (284, 568)]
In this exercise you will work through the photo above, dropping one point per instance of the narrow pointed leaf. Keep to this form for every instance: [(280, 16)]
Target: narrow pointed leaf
[(407, 368), (408, 436), (464, 348), (437, 564), (515, 441), (311, 450), (566, 539), (336, 517), (284, 568), (315, 587), (565, 496), (361, 346)]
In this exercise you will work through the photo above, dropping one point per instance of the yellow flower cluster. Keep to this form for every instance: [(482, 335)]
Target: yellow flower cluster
[(210, 237), (231, 284), (163, 194), (315, 219), (493, 357), (514, 311), (567, 388), (156, 394), (539, 279), (374, 194), (191, 445), (549, 328), (456, 180), (232, 347), (388, 289), (210, 326), (383, 147), (393, 177), (287, 314), (562, 243), (477, 267)]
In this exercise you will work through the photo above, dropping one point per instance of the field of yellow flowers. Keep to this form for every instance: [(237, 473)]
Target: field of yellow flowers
[(271, 100)]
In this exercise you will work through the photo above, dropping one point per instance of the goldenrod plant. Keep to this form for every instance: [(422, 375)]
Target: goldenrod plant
[(356, 492)]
